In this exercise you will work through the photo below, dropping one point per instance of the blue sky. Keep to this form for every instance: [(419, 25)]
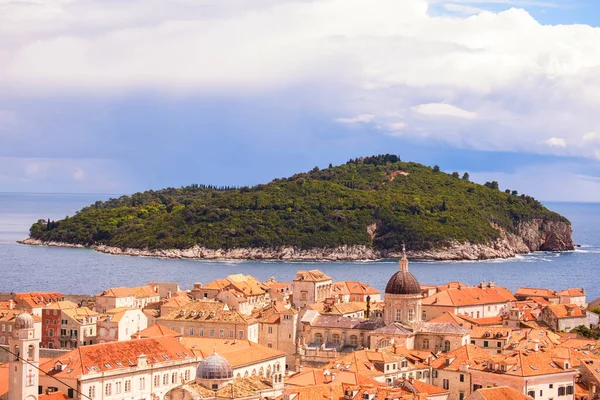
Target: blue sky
[(116, 97)]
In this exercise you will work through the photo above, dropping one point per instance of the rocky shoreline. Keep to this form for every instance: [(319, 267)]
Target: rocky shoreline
[(531, 236)]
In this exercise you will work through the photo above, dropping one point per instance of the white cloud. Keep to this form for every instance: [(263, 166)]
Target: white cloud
[(556, 142), (509, 82), (443, 110), (357, 119)]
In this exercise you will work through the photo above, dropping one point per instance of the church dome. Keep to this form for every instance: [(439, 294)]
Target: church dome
[(214, 367), (24, 321), (403, 282)]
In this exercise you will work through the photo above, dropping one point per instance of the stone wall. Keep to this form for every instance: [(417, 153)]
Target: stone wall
[(44, 353)]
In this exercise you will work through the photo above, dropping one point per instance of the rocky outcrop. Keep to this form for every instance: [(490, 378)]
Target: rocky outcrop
[(530, 236)]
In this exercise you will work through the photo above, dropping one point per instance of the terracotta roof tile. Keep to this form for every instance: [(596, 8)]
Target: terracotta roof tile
[(502, 393), (238, 352)]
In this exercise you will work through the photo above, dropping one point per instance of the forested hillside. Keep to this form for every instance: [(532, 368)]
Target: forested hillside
[(375, 201)]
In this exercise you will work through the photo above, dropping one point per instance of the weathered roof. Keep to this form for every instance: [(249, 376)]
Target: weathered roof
[(314, 275), (345, 322), (239, 352)]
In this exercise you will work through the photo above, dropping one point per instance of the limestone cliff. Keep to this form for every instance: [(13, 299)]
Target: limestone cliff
[(534, 235)]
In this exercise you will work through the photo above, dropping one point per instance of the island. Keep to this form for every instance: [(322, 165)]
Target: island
[(365, 209)]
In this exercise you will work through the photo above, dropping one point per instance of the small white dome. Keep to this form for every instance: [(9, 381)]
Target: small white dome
[(214, 367), (24, 321)]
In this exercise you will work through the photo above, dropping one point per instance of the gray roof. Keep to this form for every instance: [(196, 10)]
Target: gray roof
[(442, 327), (395, 328), (403, 282), (333, 321)]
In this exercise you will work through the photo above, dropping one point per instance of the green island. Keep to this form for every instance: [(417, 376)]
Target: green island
[(379, 202)]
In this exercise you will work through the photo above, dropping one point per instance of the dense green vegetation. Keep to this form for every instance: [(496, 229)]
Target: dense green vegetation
[(409, 202), (585, 332)]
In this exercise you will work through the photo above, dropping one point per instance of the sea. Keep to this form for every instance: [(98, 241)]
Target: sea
[(85, 271)]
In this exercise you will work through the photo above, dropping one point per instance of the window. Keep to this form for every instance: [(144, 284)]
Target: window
[(561, 391), (165, 379), (157, 381), (191, 331), (435, 373), (423, 315), (569, 389), (485, 343), (461, 396), (541, 393), (477, 314), (446, 346), (142, 383), (353, 340), (477, 387), (200, 332), (108, 389), (50, 332), (445, 384), (221, 333), (212, 333), (186, 375), (398, 314), (70, 393), (240, 334), (270, 345), (550, 386), (231, 334), (270, 329), (472, 342), (92, 392), (318, 338), (127, 386), (117, 387), (426, 344), (499, 344), (411, 315), (461, 378), (53, 322), (336, 338), (173, 377), (531, 393), (303, 295)]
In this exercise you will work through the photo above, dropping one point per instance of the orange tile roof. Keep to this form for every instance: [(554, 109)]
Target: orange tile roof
[(502, 393), (572, 292), (353, 288), (491, 332), (448, 317), (426, 388), (324, 392), (239, 352), (53, 396), (468, 354), (469, 295), (522, 364), (115, 355), (213, 311), (317, 376), (535, 292), (155, 330), (314, 275), (38, 299), (562, 310)]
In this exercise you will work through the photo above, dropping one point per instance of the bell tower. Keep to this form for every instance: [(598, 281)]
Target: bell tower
[(24, 361)]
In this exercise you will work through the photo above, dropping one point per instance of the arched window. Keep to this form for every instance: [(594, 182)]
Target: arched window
[(268, 371), (254, 372), (277, 367), (446, 346), (318, 338), (31, 353), (353, 340), (336, 338), (383, 343), (261, 372), (246, 374), (426, 344)]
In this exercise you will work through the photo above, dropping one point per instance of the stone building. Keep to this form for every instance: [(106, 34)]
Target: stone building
[(311, 287)]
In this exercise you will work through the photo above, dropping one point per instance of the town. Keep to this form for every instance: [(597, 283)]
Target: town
[(312, 338)]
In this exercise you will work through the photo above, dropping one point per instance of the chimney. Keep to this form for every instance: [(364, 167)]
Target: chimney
[(169, 295), (11, 305), (536, 345), (492, 284), (142, 361), (592, 391), (482, 285)]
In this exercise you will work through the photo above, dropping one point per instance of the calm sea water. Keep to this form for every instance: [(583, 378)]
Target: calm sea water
[(26, 268)]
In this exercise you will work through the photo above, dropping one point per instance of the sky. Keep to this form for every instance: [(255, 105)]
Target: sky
[(118, 96)]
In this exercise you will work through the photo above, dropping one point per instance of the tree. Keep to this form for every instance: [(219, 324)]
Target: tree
[(455, 175), (507, 191), (465, 176), (515, 193), (436, 168)]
